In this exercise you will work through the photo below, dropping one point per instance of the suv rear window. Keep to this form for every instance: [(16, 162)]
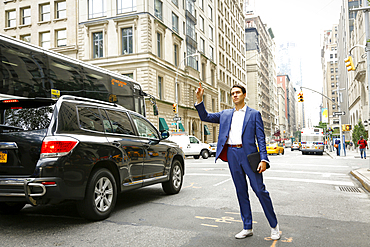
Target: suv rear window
[(24, 115)]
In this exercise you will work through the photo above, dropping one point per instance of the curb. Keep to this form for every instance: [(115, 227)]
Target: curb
[(363, 180)]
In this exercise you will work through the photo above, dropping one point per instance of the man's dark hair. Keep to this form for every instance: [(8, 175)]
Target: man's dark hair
[(239, 86)]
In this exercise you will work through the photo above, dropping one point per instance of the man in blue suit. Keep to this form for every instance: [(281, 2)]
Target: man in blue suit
[(239, 129)]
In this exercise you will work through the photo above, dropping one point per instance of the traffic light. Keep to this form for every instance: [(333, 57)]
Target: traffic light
[(346, 127), (155, 110), (349, 63), (174, 107), (300, 97)]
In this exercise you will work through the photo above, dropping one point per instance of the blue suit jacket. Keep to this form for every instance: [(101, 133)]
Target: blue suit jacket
[(252, 130)]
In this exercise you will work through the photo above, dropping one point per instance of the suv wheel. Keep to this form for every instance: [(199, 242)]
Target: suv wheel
[(11, 207), (101, 196), (173, 186), (204, 154)]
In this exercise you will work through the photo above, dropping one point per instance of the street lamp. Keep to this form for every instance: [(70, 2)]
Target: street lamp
[(176, 118)]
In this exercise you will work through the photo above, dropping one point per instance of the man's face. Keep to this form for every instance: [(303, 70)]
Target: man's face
[(237, 95)]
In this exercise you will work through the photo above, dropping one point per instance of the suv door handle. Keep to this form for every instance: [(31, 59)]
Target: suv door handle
[(116, 143)]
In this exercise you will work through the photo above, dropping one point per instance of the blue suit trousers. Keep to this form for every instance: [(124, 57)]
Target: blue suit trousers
[(239, 168)]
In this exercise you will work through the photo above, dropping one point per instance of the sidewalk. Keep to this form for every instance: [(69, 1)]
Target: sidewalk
[(362, 174)]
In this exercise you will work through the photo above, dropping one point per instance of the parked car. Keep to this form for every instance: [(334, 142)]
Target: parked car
[(295, 146), (213, 148), (275, 148), (80, 149), (191, 145)]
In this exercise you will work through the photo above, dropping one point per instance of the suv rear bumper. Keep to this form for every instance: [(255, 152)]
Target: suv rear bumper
[(31, 190)]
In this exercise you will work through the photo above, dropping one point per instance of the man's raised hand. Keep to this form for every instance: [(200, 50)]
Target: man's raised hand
[(199, 93)]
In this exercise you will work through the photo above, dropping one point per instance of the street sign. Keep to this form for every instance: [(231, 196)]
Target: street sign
[(177, 119), (339, 113)]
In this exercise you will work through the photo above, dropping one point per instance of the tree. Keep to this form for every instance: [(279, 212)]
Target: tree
[(358, 130)]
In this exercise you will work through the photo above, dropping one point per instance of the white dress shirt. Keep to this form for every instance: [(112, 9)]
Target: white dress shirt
[(236, 128)]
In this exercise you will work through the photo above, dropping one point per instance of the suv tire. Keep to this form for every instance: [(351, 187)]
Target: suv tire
[(205, 154), (11, 207), (173, 186), (101, 184)]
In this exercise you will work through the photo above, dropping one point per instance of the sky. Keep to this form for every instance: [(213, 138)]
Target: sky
[(303, 23)]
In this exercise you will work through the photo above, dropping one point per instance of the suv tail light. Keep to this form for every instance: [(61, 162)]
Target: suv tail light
[(57, 146)]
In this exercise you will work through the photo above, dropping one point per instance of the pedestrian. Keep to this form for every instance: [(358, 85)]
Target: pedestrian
[(239, 129), (362, 144)]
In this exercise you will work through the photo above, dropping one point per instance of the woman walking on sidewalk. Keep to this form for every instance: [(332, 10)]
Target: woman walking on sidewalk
[(363, 144)]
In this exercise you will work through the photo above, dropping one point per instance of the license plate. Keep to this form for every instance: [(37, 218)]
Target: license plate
[(3, 156)]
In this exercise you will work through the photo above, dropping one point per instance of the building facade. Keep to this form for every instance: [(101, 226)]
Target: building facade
[(43, 23), (261, 72), (329, 62)]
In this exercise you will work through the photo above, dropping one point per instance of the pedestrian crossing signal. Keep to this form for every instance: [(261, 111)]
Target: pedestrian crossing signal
[(300, 97), (346, 127)]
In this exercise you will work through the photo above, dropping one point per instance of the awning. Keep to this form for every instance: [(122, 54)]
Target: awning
[(206, 130), (162, 124), (181, 127)]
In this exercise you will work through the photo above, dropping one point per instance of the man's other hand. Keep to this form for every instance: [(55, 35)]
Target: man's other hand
[(261, 167)]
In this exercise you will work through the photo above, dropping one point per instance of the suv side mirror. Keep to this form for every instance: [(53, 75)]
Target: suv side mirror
[(164, 134)]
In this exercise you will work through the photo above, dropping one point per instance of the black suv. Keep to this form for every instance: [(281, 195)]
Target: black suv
[(80, 149)]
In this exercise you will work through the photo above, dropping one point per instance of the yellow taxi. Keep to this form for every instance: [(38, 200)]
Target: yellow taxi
[(275, 148)]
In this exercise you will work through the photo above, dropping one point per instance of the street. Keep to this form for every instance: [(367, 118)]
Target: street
[(316, 200)]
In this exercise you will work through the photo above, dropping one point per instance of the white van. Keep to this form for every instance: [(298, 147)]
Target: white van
[(191, 145)]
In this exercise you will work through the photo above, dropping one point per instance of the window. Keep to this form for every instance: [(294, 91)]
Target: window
[(211, 53), (98, 44), (201, 45), (61, 10), (176, 2), (210, 33), (26, 38), (45, 40), (96, 8), (332, 77), (201, 24), (201, 4), (159, 41), (131, 75), (45, 12), (90, 118), (176, 55), (124, 6), (213, 105), (210, 14), (118, 123), (203, 71), (61, 36), (331, 70), (26, 16), (160, 81), (11, 18), (332, 85), (158, 9), (333, 106), (144, 128), (127, 43), (175, 22)]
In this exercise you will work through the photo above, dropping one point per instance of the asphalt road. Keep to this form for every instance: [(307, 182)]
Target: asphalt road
[(317, 202)]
